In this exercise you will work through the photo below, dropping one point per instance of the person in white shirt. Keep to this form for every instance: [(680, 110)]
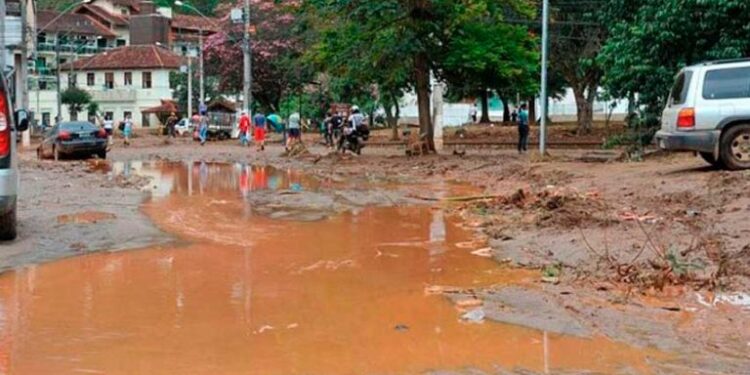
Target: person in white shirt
[(109, 128)]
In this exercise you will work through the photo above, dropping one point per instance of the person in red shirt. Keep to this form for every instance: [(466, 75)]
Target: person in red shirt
[(244, 129)]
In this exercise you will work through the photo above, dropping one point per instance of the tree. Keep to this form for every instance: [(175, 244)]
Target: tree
[(653, 39), (76, 99), (577, 33), (395, 36), (487, 54), (178, 81), (277, 44)]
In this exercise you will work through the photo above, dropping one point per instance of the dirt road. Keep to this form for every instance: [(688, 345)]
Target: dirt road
[(646, 254)]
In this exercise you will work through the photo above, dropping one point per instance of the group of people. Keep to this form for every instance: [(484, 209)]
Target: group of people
[(258, 127), (340, 127), (125, 127)]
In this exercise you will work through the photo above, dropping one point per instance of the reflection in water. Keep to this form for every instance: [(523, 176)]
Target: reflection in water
[(212, 178), (254, 296)]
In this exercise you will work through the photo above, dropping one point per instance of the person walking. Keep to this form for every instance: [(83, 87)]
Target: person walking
[(171, 124), (523, 129), (295, 130), (244, 129), (203, 129), (259, 131), (127, 130), (328, 128), (473, 111), (109, 128)]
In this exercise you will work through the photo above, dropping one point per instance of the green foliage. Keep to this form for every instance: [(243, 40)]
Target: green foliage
[(76, 99), (652, 39), (395, 44), (178, 81)]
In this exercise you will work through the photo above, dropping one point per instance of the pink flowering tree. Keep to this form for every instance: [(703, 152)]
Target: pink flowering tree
[(276, 43)]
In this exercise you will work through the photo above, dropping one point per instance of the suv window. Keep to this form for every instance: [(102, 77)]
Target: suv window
[(727, 84), (680, 88)]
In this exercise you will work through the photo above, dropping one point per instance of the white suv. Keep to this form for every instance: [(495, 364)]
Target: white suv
[(708, 112), (11, 123)]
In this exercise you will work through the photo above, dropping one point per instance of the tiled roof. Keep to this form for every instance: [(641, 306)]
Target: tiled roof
[(129, 58), (114, 19), (189, 22), (71, 22)]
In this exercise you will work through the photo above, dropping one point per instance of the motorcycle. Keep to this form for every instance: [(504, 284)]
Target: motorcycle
[(354, 141)]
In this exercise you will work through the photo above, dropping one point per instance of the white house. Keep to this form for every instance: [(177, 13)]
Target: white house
[(125, 81)]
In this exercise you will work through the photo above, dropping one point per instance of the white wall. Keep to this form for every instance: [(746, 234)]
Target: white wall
[(457, 114), (118, 100)]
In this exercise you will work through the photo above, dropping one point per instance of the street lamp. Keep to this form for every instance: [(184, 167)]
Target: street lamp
[(202, 85), (247, 81)]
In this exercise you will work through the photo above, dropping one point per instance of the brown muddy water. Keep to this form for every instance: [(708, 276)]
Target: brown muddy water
[(240, 293)]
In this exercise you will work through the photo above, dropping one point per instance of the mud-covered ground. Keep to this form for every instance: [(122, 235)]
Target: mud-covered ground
[(648, 253)]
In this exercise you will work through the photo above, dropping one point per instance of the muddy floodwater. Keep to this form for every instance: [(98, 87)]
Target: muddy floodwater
[(242, 293)]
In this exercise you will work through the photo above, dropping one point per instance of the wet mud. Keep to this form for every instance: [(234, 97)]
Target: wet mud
[(245, 291)]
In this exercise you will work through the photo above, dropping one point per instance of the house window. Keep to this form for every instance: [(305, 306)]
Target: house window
[(74, 116), (42, 85), (46, 118), (128, 79), (72, 80), (146, 80), (120, 42), (101, 43), (109, 80), (109, 115), (127, 114), (145, 120), (41, 38), (90, 79)]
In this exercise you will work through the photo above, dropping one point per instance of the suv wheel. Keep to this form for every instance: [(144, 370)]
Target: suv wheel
[(735, 147), (8, 225)]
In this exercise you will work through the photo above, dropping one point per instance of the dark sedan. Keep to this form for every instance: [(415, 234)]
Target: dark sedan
[(76, 138)]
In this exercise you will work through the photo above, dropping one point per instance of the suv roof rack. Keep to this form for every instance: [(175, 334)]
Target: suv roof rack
[(726, 61)]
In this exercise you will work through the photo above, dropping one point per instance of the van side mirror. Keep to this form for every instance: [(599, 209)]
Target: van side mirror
[(22, 120)]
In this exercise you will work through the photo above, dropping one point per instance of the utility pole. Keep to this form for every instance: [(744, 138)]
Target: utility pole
[(247, 88), (59, 89), (202, 80), (190, 86), (24, 68), (545, 41)]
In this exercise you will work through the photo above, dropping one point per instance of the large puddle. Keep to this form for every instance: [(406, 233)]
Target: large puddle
[(242, 293)]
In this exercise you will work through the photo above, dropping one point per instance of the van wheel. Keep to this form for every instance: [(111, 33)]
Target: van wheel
[(735, 147), (8, 225), (710, 159), (102, 154)]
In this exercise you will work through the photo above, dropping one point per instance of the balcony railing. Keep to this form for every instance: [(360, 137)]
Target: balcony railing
[(80, 48), (101, 94)]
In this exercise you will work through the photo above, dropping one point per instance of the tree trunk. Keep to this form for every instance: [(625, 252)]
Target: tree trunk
[(585, 109), (506, 110), (485, 107), (532, 110), (422, 78), (391, 118)]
